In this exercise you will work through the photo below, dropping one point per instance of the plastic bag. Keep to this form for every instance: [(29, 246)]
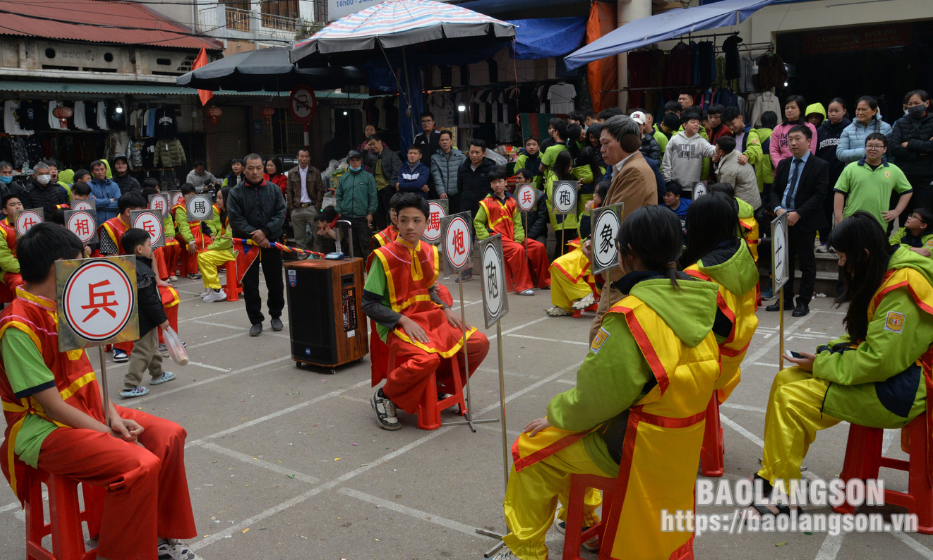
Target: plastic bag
[(175, 348)]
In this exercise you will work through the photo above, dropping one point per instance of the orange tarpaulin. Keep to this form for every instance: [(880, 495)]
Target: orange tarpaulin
[(602, 74)]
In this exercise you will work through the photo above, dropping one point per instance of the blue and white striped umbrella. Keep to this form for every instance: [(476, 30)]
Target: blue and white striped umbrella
[(401, 23)]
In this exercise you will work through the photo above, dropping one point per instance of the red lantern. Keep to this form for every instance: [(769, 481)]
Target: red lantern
[(214, 113), (267, 112), (63, 113)]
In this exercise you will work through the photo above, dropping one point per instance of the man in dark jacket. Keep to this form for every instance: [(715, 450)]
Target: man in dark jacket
[(429, 137), (41, 192), (827, 138), (536, 221), (121, 175), (911, 146), (471, 178), (801, 182), (384, 165), (257, 211)]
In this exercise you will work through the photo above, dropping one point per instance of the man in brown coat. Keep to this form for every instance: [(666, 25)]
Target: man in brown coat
[(304, 193), (633, 182)]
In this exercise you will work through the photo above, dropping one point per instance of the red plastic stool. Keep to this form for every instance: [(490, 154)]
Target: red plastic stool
[(864, 459), (574, 538), (65, 517), (429, 409), (713, 448), (233, 288)]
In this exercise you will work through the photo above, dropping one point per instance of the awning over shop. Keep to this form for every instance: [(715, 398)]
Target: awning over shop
[(668, 25), (146, 89), (543, 38)]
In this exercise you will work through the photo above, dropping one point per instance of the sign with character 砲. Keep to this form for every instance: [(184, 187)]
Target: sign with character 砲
[(96, 301), (607, 221), (495, 301), (565, 197)]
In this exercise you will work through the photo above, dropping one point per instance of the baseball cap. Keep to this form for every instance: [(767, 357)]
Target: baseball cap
[(638, 117)]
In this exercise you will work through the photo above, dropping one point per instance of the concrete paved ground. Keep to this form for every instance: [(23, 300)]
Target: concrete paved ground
[(288, 463)]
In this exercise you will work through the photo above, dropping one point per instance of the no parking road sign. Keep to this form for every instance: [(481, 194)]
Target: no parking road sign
[(96, 302), (82, 223), (458, 239), (432, 233), (28, 218), (495, 301), (607, 221), (527, 197), (149, 221)]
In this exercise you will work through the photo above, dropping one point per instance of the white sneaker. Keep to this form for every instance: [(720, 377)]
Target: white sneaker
[(584, 302), (824, 247), (213, 296), (505, 554), (558, 312), (176, 550), (206, 292), (526, 293)]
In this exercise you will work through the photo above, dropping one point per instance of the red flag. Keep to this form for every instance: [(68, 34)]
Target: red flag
[(200, 61), (245, 257)]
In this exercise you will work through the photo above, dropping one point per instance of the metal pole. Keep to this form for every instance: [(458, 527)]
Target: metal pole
[(563, 223), (103, 384), (781, 306), (466, 355), (505, 437)]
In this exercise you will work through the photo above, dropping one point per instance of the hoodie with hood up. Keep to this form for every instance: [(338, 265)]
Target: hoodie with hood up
[(616, 375), (877, 382)]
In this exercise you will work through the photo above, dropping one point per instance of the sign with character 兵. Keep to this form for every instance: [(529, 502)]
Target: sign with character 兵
[(438, 211), (96, 301), (200, 208), (527, 197), (82, 223), (458, 239), (565, 197), (495, 300), (26, 219), (607, 221), (151, 222)]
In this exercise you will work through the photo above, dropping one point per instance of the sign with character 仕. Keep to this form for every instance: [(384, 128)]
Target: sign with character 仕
[(24, 221), (200, 208), (149, 221), (495, 301), (82, 223), (96, 301), (607, 221), (458, 238), (438, 211)]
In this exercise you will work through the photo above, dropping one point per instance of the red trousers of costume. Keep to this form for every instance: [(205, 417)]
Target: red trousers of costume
[(147, 489), (526, 266), (406, 384), (167, 258)]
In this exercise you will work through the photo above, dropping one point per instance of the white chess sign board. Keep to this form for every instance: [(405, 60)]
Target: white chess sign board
[(495, 299)]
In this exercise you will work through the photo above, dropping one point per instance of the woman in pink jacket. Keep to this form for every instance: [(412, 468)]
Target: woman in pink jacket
[(793, 115)]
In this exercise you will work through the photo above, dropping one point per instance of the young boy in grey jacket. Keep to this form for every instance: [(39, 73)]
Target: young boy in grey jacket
[(683, 158)]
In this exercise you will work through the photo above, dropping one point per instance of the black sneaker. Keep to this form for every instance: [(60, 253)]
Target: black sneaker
[(255, 330), (277, 324), (386, 415)]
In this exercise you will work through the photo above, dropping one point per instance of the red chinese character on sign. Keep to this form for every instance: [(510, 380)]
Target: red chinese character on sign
[(99, 300), (458, 242), (82, 228), (435, 221), (28, 223), (150, 228), (526, 197)]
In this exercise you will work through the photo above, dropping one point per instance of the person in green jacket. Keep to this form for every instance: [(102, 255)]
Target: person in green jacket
[(916, 234), (872, 376), (557, 128), (219, 252), (748, 141), (564, 226), (614, 377), (357, 200)]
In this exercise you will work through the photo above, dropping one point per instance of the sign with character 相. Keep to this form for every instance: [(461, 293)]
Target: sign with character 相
[(96, 301), (82, 223), (607, 221), (160, 203), (495, 300), (151, 222)]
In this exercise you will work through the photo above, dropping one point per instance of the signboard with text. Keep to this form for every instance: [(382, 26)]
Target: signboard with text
[(96, 301), (160, 203), (200, 208), (607, 221), (565, 197), (150, 222), (432, 233), (780, 256), (337, 9), (458, 239), (527, 197), (89, 205), (82, 223), (26, 219), (495, 300)]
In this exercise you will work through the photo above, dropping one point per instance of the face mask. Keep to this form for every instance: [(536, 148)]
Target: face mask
[(6, 180), (44, 179), (354, 169), (917, 111)]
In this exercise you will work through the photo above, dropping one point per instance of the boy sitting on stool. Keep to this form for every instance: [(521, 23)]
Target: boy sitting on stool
[(498, 213), (401, 296)]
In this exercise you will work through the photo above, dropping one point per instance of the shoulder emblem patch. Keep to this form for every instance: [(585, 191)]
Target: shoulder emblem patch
[(600, 339), (887, 174), (755, 141), (928, 244), (894, 322)]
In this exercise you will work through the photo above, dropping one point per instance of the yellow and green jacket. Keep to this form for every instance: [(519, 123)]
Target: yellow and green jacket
[(904, 238)]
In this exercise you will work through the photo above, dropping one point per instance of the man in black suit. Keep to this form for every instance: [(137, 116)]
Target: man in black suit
[(801, 183)]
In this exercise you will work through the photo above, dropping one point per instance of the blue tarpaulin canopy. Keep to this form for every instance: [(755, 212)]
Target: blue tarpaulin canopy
[(543, 38), (668, 25)]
